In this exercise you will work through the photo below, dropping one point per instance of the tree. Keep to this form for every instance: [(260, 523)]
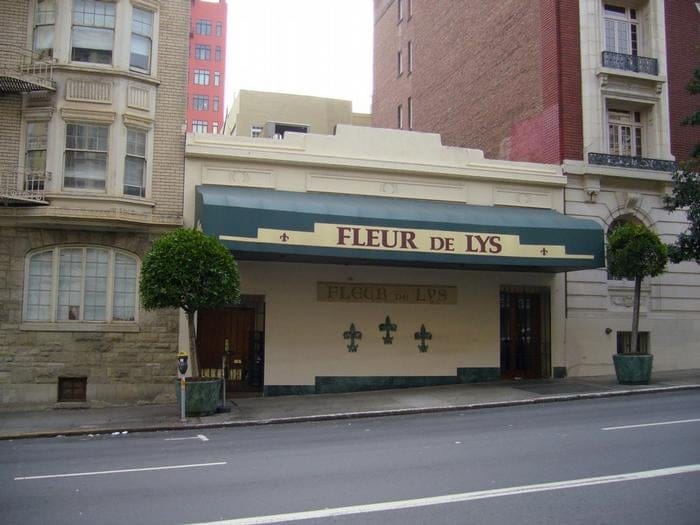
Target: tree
[(189, 270), (686, 193), (635, 252)]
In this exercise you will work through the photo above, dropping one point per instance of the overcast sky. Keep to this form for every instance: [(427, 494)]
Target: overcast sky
[(307, 47)]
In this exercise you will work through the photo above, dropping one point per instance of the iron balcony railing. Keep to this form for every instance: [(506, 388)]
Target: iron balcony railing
[(23, 70), (622, 161), (634, 63), (23, 186)]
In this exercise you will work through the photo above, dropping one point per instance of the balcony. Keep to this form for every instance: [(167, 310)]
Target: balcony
[(24, 71), (633, 63), (622, 161), (22, 187)]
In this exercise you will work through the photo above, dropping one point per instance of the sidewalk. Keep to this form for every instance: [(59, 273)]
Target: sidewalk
[(287, 409)]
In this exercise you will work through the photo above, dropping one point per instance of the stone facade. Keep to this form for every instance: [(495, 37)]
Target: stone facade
[(128, 361)]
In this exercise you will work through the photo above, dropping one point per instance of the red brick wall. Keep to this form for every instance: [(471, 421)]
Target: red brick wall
[(498, 76), (683, 52)]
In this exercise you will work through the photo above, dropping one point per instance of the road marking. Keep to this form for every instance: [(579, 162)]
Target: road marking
[(455, 498), (201, 437), (121, 471), (677, 422)]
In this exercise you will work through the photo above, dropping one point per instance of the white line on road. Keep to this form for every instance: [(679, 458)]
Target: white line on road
[(456, 498), (642, 425), (122, 471), (201, 437)]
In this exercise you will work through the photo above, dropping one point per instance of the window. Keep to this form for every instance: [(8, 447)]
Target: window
[(72, 389), (410, 57), (93, 31), (200, 103), (81, 284), (86, 156), (35, 155), (399, 10), (625, 133), (217, 78), (203, 27), (409, 109), (199, 126), (201, 77), (219, 29), (256, 131), (399, 63), (217, 54), (399, 117), (202, 52), (215, 104), (135, 163), (44, 20), (141, 33), (624, 342), (621, 30), (214, 127)]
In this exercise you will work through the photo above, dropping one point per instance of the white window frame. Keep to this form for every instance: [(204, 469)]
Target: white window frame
[(35, 177), (621, 124), (217, 78), (44, 22), (141, 31), (200, 126), (96, 27), (103, 152), (53, 291), (134, 153), (624, 28)]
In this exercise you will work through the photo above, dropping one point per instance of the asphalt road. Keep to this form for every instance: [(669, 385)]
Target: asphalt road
[(551, 463)]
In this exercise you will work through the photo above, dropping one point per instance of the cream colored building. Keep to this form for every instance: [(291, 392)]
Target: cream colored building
[(269, 115), (374, 258), (92, 100)]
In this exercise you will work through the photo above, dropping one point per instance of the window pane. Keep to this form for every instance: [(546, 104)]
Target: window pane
[(43, 40), (96, 269), (142, 22), (93, 13), (93, 31), (136, 142), (124, 288), (86, 157), (39, 285), (134, 176), (140, 56), (70, 284)]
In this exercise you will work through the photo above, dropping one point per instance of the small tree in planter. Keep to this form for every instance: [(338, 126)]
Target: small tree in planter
[(190, 270), (635, 252)]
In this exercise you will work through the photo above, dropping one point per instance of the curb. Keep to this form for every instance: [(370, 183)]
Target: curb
[(348, 415)]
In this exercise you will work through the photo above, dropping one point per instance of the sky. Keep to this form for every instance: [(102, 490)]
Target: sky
[(306, 47)]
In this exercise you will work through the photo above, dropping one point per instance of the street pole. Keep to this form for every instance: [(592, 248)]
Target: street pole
[(183, 393)]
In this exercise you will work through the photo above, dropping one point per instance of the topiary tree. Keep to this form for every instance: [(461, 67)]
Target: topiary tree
[(190, 270), (635, 252)]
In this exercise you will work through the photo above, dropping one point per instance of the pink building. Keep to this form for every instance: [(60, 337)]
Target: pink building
[(206, 69)]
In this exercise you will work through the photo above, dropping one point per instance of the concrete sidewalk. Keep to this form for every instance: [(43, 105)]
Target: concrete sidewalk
[(287, 409)]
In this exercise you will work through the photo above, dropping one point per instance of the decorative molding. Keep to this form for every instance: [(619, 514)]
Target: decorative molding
[(387, 327), (91, 115), (89, 90), (245, 178), (38, 114), (520, 197), (138, 97), (622, 161), (423, 335), (137, 121), (591, 185), (353, 335)]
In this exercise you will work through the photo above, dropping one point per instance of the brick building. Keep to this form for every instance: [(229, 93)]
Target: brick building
[(206, 68), (596, 86), (92, 164)]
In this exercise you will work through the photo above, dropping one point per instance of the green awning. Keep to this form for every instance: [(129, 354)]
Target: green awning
[(348, 229)]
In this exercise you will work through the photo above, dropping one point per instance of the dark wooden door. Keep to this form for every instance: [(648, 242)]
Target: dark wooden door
[(521, 335), (231, 330)]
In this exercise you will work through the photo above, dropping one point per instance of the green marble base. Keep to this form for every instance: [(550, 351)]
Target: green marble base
[(288, 390), (633, 369), (201, 396), (339, 384), (478, 374)]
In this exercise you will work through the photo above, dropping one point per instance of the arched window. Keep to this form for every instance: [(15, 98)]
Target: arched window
[(81, 283), (616, 223)]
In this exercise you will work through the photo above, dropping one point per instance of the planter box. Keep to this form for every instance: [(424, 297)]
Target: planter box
[(633, 369), (201, 396)]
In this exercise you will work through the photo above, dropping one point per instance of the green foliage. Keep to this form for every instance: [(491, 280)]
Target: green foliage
[(634, 251), (189, 270)]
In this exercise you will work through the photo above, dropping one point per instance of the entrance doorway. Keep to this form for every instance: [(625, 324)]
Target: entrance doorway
[(525, 333), (238, 332)]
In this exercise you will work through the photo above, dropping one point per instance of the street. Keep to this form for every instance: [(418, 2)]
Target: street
[(632, 459)]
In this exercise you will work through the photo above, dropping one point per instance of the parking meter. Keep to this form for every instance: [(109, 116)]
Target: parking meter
[(182, 363)]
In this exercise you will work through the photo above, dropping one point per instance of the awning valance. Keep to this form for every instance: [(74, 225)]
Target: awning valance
[(349, 229)]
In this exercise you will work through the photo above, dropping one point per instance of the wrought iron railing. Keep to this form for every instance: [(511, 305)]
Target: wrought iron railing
[(622, 161), (23, 186), (634, 63), (24, 70)]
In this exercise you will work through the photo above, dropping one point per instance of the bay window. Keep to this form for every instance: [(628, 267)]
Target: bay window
[(141, 34), (88, 284), (135, 163), (86, 156), (92, 36), (44, 21), (35, 155)]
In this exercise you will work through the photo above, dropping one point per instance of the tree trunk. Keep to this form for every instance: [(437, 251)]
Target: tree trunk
[(194, 363), (634, 344)]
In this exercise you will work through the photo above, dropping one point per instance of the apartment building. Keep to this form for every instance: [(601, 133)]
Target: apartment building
[(91, 159), (595, 86), (206, 68)]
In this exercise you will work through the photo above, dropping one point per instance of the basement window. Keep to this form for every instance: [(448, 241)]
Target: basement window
[(72, 389)]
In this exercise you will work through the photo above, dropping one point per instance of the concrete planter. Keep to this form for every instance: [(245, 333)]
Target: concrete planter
[(633, 369), (201, 396)]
